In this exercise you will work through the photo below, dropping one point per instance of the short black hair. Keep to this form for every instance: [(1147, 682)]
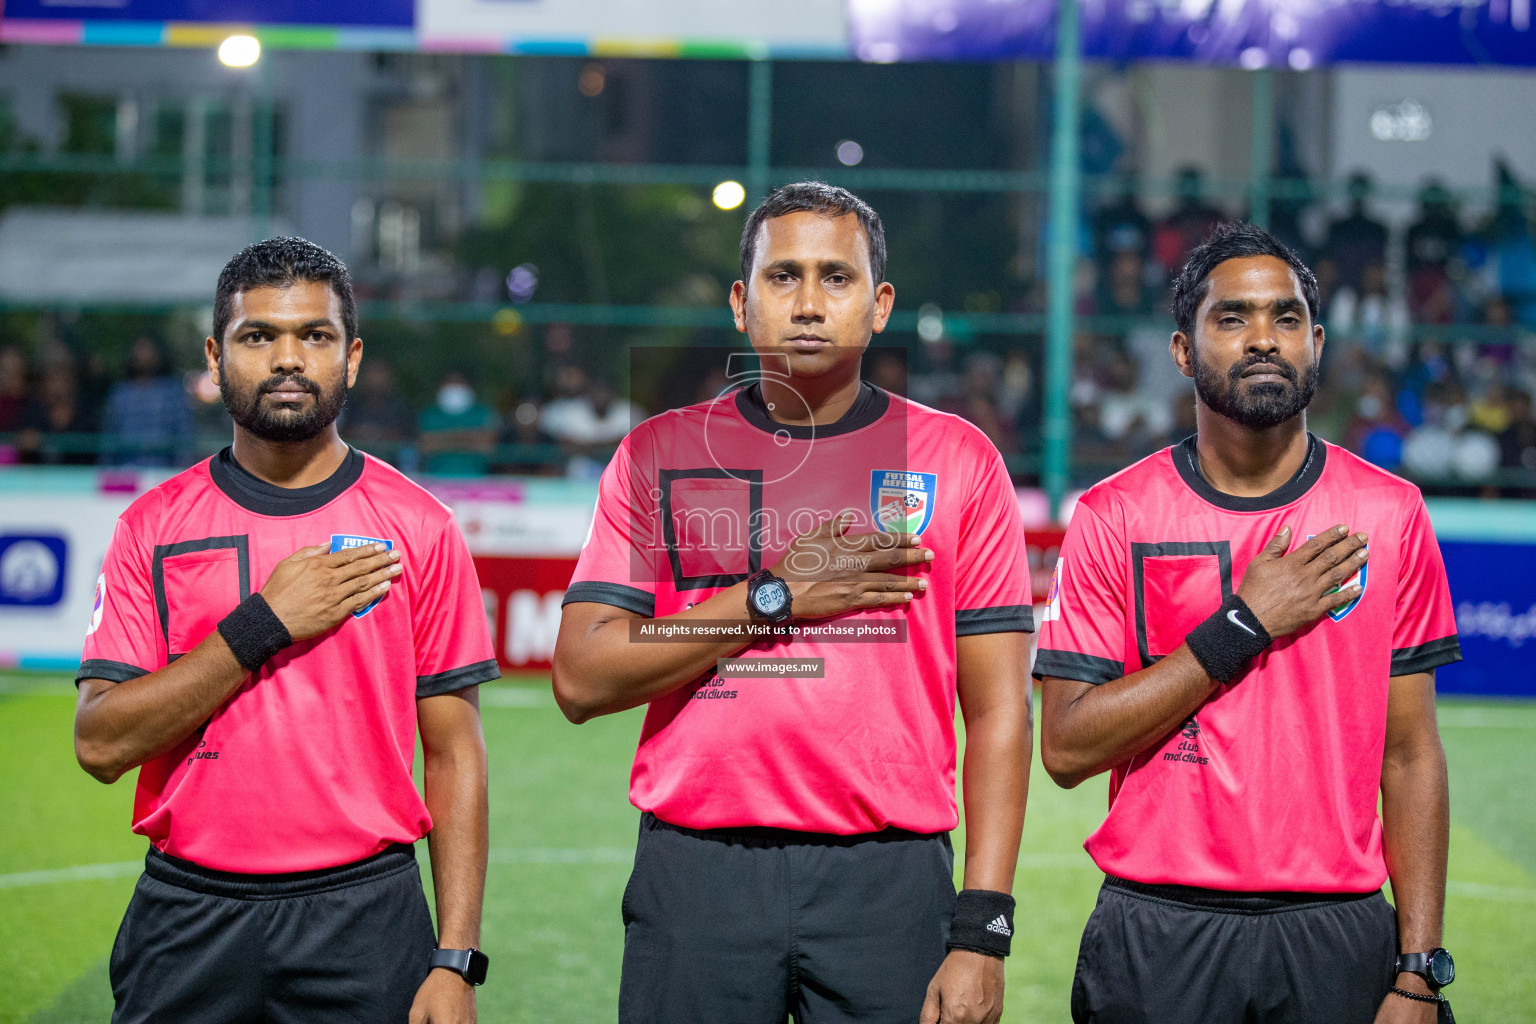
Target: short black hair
[(1233, 240), (280, 262), (815, 197)]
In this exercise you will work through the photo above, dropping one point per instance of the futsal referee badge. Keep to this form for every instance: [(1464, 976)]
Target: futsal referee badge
[(343, 541), (1344, 609), (902, 502)]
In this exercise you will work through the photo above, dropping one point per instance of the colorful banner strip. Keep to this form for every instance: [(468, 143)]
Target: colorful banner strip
[(314, 37), (195, 34)]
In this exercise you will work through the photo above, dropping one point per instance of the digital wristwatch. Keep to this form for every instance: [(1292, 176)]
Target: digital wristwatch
[(768, 597), (469, 964)]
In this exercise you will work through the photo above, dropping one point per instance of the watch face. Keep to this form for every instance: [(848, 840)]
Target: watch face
[(1442, 968), (771, 597), (475, 972)]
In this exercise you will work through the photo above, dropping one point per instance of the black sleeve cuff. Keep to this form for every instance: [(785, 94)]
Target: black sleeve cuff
[(113, 671), (1071, 665), (631, 599), (1010, 618), (457, 679), (1426, 657)]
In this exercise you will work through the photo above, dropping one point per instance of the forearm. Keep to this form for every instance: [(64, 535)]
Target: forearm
[(996, 784), (1102, 726), (120, 726), (1415, 814), (600, 670), (456, 798)]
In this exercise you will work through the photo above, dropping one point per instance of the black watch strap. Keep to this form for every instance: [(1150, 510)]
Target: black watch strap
[(469, 964), (1426, 967)]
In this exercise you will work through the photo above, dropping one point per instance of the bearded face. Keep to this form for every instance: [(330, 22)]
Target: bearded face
[(1257, 405), (281, 408)]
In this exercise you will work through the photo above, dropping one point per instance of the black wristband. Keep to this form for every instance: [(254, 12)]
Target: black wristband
[(1228, 640), (983, 922), (253, 632)]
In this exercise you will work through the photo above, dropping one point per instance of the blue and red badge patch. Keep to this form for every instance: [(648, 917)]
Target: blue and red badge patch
[(902, 502), (343, 541), (1342, 610)]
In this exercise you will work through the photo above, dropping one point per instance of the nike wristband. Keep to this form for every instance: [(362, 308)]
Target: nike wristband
[(983, 922), (1228, 640), (253, 632)]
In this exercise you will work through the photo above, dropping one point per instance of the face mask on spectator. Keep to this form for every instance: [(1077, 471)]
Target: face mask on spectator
[(1369, 407), (454, 399)]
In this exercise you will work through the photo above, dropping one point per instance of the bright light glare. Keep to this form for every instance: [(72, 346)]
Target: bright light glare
[(1407, 121), (729, 195), (849, 153), (240, 51), (930, 322)]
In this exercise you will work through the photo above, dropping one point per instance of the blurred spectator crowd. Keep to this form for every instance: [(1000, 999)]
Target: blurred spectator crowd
[(572, 432), (69, 411), (1429, 370)]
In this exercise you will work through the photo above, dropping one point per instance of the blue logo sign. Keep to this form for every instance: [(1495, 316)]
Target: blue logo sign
[(902, 502), (32, 569), (1493, 586), (343, 541)]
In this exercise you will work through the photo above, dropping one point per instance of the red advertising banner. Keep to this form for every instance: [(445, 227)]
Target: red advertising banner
[(522, 602)]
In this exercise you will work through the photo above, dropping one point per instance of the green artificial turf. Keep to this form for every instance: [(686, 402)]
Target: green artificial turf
[(561, 835)]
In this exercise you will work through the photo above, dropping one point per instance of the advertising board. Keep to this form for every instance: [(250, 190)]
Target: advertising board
[(725, 28)]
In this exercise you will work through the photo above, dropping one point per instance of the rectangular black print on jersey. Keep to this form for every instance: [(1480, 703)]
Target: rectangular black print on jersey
[(1178, 584), (197, 583), (710, 521)]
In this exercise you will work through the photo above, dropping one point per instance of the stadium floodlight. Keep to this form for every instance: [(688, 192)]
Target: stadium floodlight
[(240, 51), (729, 195), (850, 153)]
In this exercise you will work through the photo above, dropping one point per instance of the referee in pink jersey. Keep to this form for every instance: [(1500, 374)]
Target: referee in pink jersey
[(1244, 631), (865, 554), (273, 629)]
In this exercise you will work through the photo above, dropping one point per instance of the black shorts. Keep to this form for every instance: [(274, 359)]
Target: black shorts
[(345, 944), (752, 926), (1162, 953)]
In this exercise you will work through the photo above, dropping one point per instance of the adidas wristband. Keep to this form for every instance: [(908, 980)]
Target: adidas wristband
[(1228, 640), (983, 922), (253, 632)]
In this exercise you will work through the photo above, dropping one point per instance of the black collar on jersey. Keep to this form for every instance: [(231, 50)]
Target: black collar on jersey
[(866, 409), (1188, 465), (254, 494)]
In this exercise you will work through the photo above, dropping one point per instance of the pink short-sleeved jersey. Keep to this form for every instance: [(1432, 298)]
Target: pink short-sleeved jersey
[(1272, 784), (698, 498), (308, 765)]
